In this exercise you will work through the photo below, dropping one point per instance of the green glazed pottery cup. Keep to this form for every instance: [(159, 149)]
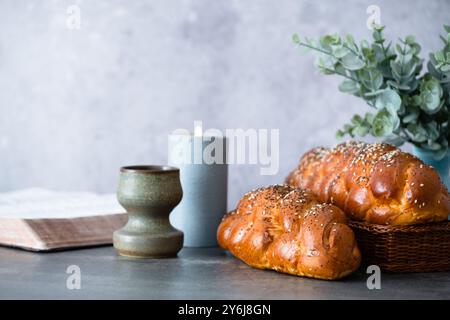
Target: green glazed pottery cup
[(148, 194)]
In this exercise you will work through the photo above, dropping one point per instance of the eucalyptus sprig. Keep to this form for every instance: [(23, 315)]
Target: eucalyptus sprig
[(408, 106)]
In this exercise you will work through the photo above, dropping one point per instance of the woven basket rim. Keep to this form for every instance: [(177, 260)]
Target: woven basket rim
[(443, 226)]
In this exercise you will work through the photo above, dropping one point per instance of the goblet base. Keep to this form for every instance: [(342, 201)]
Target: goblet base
[(138, 245)]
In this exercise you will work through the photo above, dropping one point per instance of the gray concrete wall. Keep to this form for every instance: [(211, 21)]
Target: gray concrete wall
[(77, 104)]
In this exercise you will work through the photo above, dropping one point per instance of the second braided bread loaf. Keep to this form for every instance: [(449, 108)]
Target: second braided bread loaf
[(375, 183)]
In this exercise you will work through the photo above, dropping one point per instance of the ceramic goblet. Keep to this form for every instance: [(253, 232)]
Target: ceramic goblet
[(148, 194)]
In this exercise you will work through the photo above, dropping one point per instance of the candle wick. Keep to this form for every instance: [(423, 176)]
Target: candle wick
[(198, 129)]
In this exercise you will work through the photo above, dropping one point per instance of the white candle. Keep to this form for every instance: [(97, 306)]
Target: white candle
[(204, 186)]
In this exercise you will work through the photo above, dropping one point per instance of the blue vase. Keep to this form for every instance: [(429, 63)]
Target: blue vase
[(442, 166)]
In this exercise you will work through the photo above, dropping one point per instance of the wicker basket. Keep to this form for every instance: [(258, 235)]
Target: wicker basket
[(418, 248)]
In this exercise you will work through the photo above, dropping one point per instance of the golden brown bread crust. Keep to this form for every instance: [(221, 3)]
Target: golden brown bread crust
[(288, 230), (375, 183)]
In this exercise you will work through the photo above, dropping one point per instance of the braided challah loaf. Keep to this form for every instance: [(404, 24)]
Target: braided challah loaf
[(288, 230), (375, 183)]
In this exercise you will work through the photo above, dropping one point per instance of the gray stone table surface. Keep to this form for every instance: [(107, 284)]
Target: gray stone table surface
[(208, 273)]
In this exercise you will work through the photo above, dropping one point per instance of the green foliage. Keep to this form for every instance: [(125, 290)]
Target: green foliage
[(384, 123), (409, 105)]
